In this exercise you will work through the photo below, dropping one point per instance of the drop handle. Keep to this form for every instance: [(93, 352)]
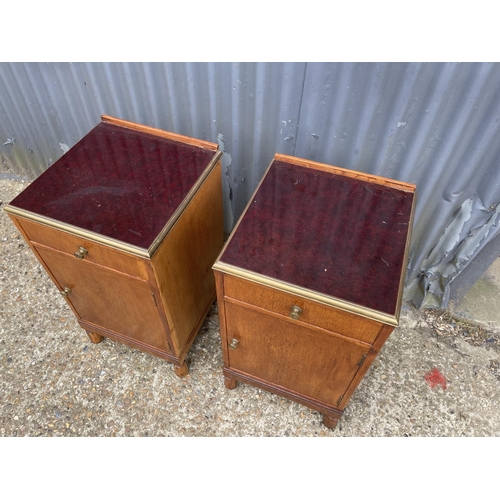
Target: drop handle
[(234, 344), (82, 251), (65, 291), (295, 312)]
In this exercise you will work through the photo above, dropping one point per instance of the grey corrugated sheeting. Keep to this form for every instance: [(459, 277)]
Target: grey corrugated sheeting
[(436, 125), (432, 124)]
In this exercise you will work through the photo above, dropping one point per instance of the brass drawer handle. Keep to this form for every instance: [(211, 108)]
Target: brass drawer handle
[(82, 251), (234, 344), (295, 312), (65, 291)]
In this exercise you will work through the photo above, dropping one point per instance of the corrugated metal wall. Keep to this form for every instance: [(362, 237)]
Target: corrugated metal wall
[(433, 124)]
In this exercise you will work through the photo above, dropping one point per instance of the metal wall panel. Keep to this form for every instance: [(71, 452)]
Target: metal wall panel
[(436, 125), (250, 109)]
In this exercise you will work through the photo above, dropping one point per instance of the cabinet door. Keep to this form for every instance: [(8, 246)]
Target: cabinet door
[(310, 362), (107, 298)]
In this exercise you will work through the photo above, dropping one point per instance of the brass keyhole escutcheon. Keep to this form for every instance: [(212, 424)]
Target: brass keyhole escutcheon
[(82, 251), (295, 312), (65, 291), (234, 344)]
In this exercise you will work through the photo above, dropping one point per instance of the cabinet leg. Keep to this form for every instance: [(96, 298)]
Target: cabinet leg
[(182, 370), (95, 338), (230, 383), (330, 422)]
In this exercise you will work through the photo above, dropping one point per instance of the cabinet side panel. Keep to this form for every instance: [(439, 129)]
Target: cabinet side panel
[(221, 307), (384, 333), (183, 262), (161, 309)]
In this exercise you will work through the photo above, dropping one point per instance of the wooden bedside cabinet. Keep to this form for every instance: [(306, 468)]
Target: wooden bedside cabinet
[(309, 284), (128, 224)]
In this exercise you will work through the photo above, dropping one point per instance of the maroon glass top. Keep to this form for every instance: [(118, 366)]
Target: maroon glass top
[(117, 182), (328, 233)]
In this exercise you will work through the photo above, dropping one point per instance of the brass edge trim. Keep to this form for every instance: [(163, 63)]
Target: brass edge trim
[(185, 202), (307, 294), (111, 242), (238, 222), (405, 258), (304, 162), (84, 233), (158, 132)]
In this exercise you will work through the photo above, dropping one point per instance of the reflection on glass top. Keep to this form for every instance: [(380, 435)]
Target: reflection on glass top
[(332, 234), (117, 182)]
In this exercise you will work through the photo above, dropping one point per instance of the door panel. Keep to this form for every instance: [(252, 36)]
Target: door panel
[(107, 298), (290, 355)]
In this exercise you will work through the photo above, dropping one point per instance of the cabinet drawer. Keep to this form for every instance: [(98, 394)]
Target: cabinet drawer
[(313, 313), (97, 253)]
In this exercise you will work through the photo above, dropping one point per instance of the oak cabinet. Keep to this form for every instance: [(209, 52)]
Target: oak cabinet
[(309, 284), (128, 224)]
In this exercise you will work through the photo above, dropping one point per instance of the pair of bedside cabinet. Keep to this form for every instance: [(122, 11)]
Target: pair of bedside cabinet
[(129, 226)]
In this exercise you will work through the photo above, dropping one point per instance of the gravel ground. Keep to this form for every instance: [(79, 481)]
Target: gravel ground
[(54, 382)]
